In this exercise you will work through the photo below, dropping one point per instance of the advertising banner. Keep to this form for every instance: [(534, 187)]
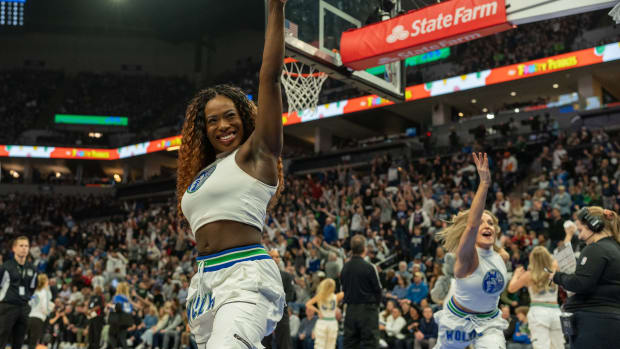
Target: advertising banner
[(431, 28)]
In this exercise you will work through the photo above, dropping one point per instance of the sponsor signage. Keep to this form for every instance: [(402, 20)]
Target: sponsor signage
[(582, 58), (418, 32)]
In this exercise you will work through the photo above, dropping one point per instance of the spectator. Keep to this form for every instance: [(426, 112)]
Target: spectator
[(418, 290), (426, 336), (521, 336), (306, 329)]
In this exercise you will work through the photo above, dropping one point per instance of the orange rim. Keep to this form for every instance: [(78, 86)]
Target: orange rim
[(314, 75), (288, 60)]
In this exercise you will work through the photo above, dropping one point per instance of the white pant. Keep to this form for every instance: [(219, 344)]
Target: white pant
[(235, 300), (325, 334), (545, 327), (458, 330)]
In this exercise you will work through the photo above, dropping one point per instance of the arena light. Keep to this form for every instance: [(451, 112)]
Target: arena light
[(490, 116), (556, 85), (117, 178), (513, 93), (461, 114), (14, 174), (58, 174), (473, 101), (517, 110), (484, 110)]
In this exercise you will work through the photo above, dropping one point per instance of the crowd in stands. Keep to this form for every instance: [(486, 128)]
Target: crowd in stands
[(24, 94), (153, 102), (527, 42), (119, 268), (149, 101)]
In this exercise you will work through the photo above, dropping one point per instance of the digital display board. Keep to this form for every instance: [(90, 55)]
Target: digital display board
[(416, 60), (12, 12), (90, 120)]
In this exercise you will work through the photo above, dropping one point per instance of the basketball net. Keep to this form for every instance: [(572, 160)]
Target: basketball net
[(302, 85)]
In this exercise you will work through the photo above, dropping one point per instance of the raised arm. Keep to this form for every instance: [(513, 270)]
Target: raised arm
[(466, 257), (520, 279), (267, 138)]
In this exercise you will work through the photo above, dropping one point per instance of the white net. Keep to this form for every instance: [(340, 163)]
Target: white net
[(302, 84)]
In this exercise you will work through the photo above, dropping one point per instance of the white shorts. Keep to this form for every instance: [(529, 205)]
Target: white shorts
[(458, 329), (544, 324), (325, 333), (235, 299)]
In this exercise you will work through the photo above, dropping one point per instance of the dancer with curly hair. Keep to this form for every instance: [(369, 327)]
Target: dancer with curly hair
[(229, 172)]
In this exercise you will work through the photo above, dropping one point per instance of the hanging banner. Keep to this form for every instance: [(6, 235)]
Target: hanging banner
[(432, 28)]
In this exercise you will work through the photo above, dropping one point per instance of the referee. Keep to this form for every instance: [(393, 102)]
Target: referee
[(362, 294), (17, 284)]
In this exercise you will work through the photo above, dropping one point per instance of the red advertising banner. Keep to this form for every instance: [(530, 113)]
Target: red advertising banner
[(417, 32)]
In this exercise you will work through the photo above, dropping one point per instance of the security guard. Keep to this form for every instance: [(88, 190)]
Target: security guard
[(17, 284), (362, 295)]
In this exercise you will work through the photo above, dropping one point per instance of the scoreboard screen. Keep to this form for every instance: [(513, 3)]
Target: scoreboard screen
[(12, 12)]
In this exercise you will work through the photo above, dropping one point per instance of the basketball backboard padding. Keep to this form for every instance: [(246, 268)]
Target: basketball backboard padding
[(331, 64)]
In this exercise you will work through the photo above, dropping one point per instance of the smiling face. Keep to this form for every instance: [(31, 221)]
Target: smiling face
[(224, 124), (486, 232)]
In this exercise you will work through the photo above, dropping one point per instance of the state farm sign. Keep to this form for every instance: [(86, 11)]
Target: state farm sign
[(431, 28)]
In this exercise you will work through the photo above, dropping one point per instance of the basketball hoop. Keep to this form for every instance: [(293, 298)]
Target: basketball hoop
[(302, 85)]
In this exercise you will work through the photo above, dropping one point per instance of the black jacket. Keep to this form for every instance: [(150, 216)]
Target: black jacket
[(596, 281), (17, 282), (360, 282)]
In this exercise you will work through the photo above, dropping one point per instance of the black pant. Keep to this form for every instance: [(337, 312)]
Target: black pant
[(361, 326), (13, 324), (36, 327), (118, 338), (95, 326), (282, 334), (596, 330)]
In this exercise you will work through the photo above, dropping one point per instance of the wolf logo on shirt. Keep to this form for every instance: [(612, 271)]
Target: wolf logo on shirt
[(493, 281)]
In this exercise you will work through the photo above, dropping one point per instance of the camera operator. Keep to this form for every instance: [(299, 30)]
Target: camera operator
[(595, 307)]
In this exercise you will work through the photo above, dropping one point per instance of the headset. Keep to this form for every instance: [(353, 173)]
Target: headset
[(594, 223)]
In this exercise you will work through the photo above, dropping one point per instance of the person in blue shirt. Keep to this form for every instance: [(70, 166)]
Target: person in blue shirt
[(306, 328), (418, 290), (521, 336), (329, 231), (426, 335), (122, 297), (400, 289)]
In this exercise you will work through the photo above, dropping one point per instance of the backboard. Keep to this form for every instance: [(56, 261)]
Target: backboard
[(313, 30)]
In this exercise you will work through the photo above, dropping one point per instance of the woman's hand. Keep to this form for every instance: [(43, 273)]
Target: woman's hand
[(519, 271), (482, 165)]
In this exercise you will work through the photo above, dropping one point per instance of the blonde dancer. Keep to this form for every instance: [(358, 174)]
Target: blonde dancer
[(326, 328)]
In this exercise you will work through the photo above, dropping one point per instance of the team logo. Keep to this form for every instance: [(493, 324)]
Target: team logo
[(493, 281), (201, 179), (199, 305)]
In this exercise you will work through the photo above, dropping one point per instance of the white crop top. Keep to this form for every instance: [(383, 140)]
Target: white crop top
[(481, 290), (550, 296), (328, 309), (223, 191)]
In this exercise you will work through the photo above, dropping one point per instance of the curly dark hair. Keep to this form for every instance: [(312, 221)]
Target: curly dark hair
[(196, 151)]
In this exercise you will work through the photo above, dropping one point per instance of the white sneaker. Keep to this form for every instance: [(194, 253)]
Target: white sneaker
[(382, 343)]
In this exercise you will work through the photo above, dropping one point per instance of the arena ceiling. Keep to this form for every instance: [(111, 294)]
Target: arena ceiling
[(171, 20)]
